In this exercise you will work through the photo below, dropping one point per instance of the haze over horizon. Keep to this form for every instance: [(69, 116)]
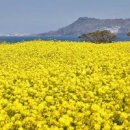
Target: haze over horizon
[(30, 16)]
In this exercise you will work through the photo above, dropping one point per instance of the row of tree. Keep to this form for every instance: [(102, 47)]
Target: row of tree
[(104, 36)]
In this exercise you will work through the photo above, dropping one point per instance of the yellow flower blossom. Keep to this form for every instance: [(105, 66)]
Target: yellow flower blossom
[(54, 85)]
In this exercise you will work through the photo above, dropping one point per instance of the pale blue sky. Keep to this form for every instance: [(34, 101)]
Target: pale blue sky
[(36, 16)]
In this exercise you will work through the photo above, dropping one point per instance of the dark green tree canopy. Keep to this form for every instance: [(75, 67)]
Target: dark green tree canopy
[(99, 36), (128, 34)]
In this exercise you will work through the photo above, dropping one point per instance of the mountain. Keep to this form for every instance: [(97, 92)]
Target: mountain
[(16, 35), (86, 25)]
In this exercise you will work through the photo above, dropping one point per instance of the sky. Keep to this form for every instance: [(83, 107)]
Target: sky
[(38, 16)]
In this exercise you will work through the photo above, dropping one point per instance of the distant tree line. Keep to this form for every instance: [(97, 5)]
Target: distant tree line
[(104, 36)]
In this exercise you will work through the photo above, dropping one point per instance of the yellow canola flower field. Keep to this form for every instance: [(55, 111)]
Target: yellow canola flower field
[(47, 85)]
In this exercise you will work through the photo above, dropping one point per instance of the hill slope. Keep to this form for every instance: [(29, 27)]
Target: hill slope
[(86, 25)]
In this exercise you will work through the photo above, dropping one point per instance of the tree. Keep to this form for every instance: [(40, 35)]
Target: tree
[(99, 36), (128, 34)]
